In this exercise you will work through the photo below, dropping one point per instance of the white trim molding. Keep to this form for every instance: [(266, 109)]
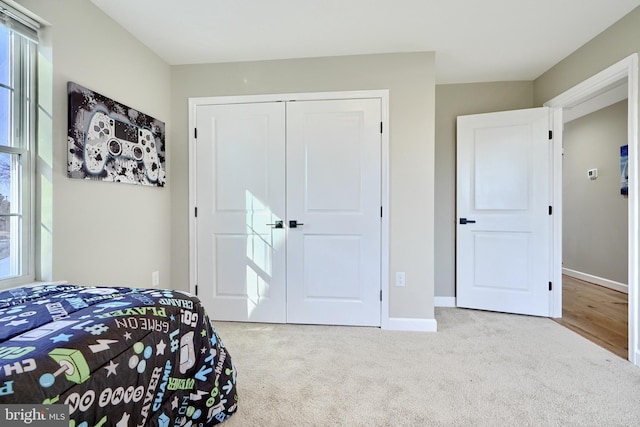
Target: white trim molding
[(418, 325), (619, 92), (444, 301), (601, 281)]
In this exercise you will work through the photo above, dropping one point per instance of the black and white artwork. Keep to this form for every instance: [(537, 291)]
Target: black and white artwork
[(109, 141)]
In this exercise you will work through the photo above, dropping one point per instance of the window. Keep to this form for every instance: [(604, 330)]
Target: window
[(17, 136)]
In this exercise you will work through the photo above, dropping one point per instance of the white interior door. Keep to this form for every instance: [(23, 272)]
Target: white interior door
[(503, 206), (240, 174), (327, 268), (334, 190)]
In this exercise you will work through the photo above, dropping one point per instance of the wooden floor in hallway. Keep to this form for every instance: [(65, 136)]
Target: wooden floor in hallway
[(597, 313)]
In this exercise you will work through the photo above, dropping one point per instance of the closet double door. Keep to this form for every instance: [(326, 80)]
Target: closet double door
[(288, 223)]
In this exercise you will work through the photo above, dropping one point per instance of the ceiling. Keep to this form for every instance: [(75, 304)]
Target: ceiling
[(474, 41)]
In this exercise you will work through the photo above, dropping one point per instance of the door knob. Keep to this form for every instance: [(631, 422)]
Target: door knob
[(467, 221), (294, 224), (278, 224)]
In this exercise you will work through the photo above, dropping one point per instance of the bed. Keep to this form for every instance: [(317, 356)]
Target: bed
[(116, 356)]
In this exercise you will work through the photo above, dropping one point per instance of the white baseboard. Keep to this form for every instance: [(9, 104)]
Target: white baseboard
[(420, 325), (620, 287), (444, 301)]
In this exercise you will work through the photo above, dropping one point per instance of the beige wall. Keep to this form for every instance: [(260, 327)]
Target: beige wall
[(97, 232), (594, 212), (410, 80), (452, 101)]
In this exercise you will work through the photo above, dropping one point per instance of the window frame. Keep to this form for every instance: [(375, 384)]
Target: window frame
[(23, 131)]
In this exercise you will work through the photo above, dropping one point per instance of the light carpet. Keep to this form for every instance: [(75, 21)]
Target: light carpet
[(479, 369)]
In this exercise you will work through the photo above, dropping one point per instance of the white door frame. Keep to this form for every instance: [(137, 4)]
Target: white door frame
[(624, 71), (382, 94)]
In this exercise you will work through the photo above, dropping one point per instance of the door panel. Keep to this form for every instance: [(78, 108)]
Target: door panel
[(240, 191), (321, 283), (333, 188), (502, 260), (338, 190), (505, 187)]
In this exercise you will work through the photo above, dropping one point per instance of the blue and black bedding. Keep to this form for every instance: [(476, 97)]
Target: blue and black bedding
[(116, 356)]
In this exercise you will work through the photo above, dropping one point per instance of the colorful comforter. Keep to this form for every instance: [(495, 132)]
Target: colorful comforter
[(117, 356)]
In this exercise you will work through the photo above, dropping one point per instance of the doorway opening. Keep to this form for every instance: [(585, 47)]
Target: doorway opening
[(621, 77), (595, 226)]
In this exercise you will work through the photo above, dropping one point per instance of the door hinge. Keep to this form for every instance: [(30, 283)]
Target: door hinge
[(550, 286), (380, 294), (380, 211), (196, 290), (550, 135), (550, 210), (195, 133), (380, 127), (196, 212)]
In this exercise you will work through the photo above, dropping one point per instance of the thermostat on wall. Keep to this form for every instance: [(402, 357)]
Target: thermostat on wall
[(592, 173)]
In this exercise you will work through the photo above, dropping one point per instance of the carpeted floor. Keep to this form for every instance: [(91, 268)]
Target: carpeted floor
[(479, 369)]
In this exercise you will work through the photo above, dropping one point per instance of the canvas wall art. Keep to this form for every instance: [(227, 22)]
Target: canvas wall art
[(624, 170), (109, 141)]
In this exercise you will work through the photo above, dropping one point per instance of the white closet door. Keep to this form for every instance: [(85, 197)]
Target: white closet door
[(333, 192), (240, 177)]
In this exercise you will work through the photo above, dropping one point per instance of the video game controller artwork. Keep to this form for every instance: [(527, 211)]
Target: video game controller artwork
[(109, 141)]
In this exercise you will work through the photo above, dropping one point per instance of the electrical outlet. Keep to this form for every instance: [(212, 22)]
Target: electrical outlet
[(155, 278), (400, 278)]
